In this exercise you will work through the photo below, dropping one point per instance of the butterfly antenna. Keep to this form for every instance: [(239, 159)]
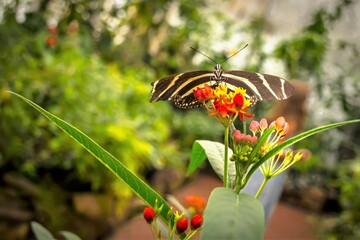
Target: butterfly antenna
[(203, 54), (234, 54)]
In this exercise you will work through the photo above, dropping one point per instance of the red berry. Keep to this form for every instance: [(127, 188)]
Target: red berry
[(196, 221), (149, 214), (182, 225)]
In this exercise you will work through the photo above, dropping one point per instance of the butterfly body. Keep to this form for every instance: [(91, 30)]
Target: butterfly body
[(179, 87)]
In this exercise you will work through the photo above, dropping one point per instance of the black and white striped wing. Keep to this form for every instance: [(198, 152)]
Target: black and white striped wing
[(179, 88), (259, 86)]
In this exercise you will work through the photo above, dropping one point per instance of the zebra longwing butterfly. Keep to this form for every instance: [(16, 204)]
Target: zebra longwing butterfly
[(179, 87)]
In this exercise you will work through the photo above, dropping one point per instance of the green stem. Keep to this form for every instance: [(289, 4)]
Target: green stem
[(242, 169), (226, 143), (192, 234), (152, 231), (238, 177), (157, 230), (262, 187), (171, 230)]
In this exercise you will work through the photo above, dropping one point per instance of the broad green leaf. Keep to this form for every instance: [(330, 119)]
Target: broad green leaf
[(69, 235), (296, 139), (40, 232), (233, 216), (214, 152), (140, 188)]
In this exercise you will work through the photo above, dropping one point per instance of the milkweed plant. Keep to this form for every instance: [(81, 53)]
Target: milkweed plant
[(229, 213)]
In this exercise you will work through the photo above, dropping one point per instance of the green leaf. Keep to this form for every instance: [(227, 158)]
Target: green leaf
[(40, 232), (261, 142), (296, 139), (198, 156), (141, 189), (69, 235), (233, 216), (214, 152)]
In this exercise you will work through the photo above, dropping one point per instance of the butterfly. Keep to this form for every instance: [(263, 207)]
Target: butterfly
[(179, 87)]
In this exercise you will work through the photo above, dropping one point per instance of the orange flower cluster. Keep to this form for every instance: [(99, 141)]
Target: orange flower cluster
[(224, 104), (195, 204)]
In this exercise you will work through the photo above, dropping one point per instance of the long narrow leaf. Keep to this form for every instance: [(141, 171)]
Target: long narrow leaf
[(261, 142), (296, 139), (140, 188)]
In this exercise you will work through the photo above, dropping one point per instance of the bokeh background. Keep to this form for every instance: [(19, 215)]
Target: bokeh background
[(91, 63)]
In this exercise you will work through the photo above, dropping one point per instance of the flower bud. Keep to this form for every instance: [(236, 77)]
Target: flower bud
[(263, 124), (254, 126), (272, 124), (246, 138), (254, 139), (149, 214), (237, 136), (196, 221), (234, 157), (286, 128), (280, 122), (182, 225)]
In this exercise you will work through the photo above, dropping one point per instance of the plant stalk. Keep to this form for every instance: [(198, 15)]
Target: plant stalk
[(226, 144), (261, 187)]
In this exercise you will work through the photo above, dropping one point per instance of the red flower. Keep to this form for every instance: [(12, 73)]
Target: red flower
[(221, 108), (209, 92), (240, 105), (199, 94), (182, 224), (238, 101), (196, 204), (51, 41), (149, 214), (196, 221), (204, 94), (224, 104)]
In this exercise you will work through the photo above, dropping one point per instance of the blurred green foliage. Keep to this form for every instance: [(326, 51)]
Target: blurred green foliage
[(106, 99), (334, 80), (74, 71), (345, 225)]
